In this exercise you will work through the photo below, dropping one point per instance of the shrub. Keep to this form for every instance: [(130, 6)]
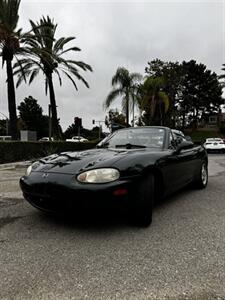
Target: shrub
[(222, 127), (18, 151)]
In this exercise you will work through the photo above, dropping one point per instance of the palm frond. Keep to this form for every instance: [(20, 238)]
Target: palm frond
[(111, 97), (135, 77), (68, 75), (78, 76), (70, 49), (59, 77), (21, 78), (121, 77), (59, 44), (33, 74), (20, 66), (165, 99), (81, 64)]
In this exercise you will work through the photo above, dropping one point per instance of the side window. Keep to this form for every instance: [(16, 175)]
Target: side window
[(178, 138), (171, 141)]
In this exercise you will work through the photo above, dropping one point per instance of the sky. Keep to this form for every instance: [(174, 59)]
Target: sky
[(114, 34)]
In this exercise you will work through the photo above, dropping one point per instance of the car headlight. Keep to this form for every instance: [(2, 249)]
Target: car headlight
[(32, 167), (99, 176), (28, 171)]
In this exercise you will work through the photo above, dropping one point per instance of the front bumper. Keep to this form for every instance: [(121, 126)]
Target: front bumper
[(61, 193)]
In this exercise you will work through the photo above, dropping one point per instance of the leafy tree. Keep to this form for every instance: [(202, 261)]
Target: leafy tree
[(192, 89), (45, 53), (124, 85), (32, 118), (171, 74), (222, 76), (153, 101), (115, 120), (9, 46), (201, 92), (3, 127)]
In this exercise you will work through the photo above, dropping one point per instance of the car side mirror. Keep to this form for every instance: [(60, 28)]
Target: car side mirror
[(188, 138), (184, 145)]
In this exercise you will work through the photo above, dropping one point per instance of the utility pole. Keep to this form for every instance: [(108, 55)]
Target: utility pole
[(100, 127)]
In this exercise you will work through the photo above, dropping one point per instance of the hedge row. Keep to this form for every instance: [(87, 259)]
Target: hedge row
[(19, 151)]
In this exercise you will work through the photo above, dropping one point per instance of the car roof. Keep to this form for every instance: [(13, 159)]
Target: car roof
[(214, 139)]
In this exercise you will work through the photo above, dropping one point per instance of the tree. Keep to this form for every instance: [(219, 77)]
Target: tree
[(201, 92), (222, 76), (153, 101), (3, 127), (124, 85), (32, 118), (171, 74), (9, 46), (115, 120), (192, 90), (45, 53)]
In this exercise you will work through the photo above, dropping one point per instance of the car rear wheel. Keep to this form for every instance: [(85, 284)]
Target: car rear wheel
[(143, 204), (202, 179)]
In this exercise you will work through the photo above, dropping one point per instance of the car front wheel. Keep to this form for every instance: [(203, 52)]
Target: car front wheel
[(143, 202), (202, 179)]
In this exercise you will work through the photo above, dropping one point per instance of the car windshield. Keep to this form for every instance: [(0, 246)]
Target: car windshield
[(135, 138)]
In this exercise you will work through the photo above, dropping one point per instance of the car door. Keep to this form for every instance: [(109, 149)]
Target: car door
[(170, 169), (186, 161), (177, 167)]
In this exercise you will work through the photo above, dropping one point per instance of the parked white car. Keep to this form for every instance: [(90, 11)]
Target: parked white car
[(45, 139), (215, 145), (77, 139)]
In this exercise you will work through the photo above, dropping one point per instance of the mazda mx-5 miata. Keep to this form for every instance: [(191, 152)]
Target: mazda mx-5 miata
[(132, 167)]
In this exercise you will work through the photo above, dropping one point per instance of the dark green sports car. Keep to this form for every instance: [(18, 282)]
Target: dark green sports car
[(133, 168)]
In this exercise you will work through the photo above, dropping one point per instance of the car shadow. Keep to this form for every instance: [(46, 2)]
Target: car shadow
[(88, 219), (99, 219)]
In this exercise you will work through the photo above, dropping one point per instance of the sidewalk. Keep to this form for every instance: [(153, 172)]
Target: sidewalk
[(15, 165)]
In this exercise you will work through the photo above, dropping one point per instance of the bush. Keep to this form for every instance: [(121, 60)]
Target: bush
[(222, 127), (18, 151), (199, 136)]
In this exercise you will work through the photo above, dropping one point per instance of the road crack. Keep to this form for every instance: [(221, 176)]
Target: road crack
[(8, 220)]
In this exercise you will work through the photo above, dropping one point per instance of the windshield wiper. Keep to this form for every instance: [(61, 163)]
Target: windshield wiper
[(130, 146), (105, 145)]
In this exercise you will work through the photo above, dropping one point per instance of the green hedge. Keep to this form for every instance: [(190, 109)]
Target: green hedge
[(199, 136), (19, 151)]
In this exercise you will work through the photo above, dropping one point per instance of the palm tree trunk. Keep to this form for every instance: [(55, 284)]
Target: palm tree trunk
[(11, 101), (55, 127), (127, 109)]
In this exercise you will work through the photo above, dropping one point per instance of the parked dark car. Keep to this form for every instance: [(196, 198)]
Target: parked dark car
[(133, 167)]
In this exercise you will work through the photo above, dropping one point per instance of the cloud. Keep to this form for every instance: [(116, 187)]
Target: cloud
[(123, 33)]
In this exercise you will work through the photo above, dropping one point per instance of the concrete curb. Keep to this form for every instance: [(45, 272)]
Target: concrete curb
[(15, 165)]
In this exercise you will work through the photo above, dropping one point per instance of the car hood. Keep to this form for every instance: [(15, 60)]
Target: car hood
[(76, 162)]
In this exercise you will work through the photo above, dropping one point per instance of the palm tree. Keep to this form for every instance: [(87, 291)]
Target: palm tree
[(124, 85), (153, 100), (45, 53), (9, 46)]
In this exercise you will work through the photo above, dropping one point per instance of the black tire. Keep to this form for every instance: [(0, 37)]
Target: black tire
[(202, 179), (143, 202)]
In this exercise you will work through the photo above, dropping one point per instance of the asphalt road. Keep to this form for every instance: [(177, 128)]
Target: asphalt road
[(180, 256)]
